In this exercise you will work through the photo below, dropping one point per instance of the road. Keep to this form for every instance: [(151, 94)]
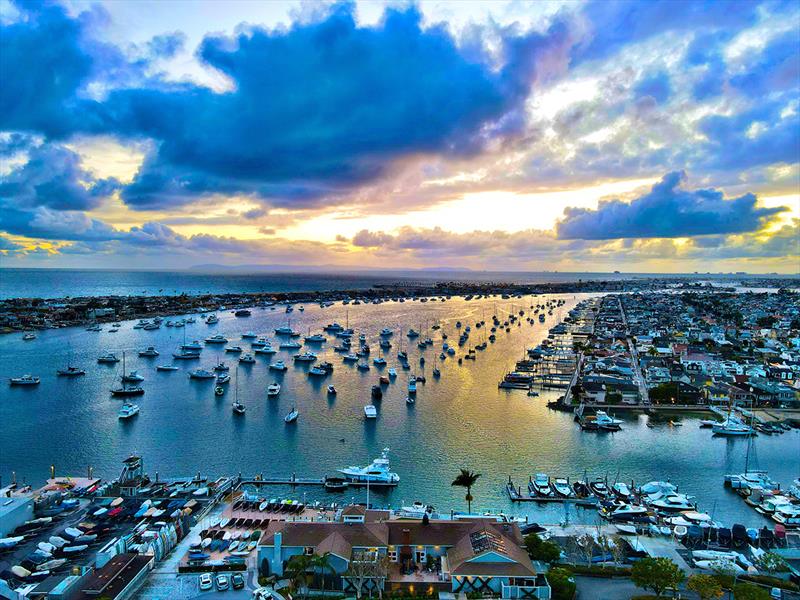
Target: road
[(637, 371)]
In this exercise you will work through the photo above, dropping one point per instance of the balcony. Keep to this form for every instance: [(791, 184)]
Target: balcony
[(541, 591)]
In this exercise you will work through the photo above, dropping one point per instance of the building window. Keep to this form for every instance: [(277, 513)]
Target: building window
[(309, 551), (393, 555), (420, 556)]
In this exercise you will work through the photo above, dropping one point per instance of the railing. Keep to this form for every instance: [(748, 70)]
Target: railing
[(525, 591)]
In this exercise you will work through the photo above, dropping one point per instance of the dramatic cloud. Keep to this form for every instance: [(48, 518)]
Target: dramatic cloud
[(53, 177), (667, 211)]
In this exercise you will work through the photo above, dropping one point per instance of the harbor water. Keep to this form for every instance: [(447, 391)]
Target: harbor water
[(460, 420)]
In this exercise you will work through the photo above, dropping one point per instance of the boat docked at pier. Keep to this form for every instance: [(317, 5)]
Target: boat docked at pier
[(377, 473)]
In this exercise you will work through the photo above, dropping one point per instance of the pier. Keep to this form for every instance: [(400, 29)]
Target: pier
[(295, 481), (516, 494)]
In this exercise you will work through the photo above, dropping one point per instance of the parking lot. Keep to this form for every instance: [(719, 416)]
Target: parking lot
[(169, 586)]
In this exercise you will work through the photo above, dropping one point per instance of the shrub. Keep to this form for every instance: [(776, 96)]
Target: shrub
[(561, 583), (705, 586), (748, 591)]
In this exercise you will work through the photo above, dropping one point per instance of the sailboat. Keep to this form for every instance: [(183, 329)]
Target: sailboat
[(125, 390), (70, 371), (238, 407), (292, 416)]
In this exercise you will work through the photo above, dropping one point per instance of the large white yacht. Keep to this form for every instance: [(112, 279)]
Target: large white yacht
[(128, 410), (377, 472)]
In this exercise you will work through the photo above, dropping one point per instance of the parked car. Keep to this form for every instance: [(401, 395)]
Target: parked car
[(205, 582), (222, 583), (237, 581)]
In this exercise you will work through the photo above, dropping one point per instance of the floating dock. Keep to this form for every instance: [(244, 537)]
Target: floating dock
[(311, 481), (516, 494)]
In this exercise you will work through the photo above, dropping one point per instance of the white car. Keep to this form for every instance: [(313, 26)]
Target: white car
[(205, 582), (222, 583)]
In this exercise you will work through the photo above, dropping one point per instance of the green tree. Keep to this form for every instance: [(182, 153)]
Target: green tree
[(322, 563), (656, 574), (748, 591), (539, 549), (705, 586), (466, 479), (297, 570), (561, 583)]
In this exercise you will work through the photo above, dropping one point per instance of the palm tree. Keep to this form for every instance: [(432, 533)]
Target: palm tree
[(467, 479), (323, 563), (297, 570)]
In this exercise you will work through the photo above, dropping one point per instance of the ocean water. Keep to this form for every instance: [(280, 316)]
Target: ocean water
[(460, 420), (48, 283)]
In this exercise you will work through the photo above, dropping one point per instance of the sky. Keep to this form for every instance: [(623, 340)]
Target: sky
[(657, 136)]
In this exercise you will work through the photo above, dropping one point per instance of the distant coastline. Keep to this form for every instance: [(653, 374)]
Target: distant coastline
[(27, 313)]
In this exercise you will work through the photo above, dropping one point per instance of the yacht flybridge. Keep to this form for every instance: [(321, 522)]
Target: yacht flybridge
[(377, 473)]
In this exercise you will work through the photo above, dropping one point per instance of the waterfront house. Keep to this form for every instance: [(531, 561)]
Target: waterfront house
[(370, 551)]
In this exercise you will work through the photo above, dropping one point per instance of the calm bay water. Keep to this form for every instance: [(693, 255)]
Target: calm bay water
[(460, 420), (48, 283)]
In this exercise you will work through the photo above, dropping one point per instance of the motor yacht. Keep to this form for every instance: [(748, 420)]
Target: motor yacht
[(621, 491), (386, 332), (412, 385), (212, 320), (286, 330), (628, 512), (249, 335), (202, 374), (351, 358), (317, 338), (29, 336), (234, 349), (606, 422), (392, 372), (166, 368), (540, 485), (290, 345), (370, 412), (132, 377), (363, 366), (25, 380), (265, 349), (186, 354), (305, 357), (217, 339), (562, 488), (273, 389), (292, 416), (108, 358), (377, 472), (260, 342), (278, 366), (148, 352), (70, 372), (317, 372), (673, 503), (247, 359), (128, 410), (193, 345), (379, 361), (96, 328)]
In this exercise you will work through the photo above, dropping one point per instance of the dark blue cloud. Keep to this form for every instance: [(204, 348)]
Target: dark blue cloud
[(315, 109), (775, 68), (616, 23), (765, 134), (53, 177), (667, 211), (655, 85)]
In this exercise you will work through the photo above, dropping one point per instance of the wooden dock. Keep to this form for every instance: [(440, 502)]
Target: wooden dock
[(516, 494), (306, 481)]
